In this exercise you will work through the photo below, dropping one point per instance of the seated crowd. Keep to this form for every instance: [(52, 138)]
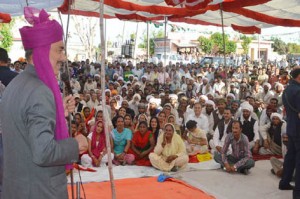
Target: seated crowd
[(159, 116)]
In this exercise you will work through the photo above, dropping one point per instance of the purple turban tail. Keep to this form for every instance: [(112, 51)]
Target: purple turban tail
[(39, 38)]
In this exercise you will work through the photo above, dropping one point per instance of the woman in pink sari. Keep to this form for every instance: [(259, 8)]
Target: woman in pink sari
[(97, 148)]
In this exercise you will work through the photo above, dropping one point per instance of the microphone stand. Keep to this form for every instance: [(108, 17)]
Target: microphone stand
[(65, 77)]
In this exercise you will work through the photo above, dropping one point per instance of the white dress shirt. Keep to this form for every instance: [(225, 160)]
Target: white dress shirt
[(202, 121)]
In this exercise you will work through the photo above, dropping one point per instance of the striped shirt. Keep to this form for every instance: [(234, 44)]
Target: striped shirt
[(240, 149)]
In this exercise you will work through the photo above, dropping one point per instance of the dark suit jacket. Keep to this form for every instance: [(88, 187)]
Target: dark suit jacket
[(291, 102), (79, 108), (6, 75)]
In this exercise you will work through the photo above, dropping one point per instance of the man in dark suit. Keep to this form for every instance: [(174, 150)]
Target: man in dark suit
[(6, 75), (291, 101)]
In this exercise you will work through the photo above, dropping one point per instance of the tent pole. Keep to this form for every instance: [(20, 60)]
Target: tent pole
[(105, 33), (165, 49), (104, 108), (66, 70), (135, 43), (148, 42), (258, 49), (224, 46), (123, 32)]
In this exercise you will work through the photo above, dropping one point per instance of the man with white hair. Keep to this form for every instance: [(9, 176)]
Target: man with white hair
[(278, 93), (133, 104), (250, 127)]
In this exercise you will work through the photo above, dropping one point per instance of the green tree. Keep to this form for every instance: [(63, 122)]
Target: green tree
[(279, 46), (6, 35), (152, 36), (230, 47), (293, 48), (205, 44), (245, 44), (132, 38), (217, 44)]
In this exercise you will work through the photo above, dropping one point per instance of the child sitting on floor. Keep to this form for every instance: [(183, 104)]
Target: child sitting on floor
[(196, 142)]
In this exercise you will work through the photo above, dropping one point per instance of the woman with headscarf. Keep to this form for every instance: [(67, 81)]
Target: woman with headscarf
[(172, 119), (142, 144), (97, 152), (119, 100), (170, 152), (121, 143), (93, 122), (272, 135), (88, 116), (133, 104)]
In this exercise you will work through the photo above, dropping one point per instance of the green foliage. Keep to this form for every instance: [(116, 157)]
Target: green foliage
[(152, 36), (245, 44), (6, 35), (205, 44), (217, 40), (110, 53), (230, 47), (215, 44), (279, 46), (293, 48)]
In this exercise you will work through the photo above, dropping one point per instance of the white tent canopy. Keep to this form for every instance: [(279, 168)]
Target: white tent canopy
[(246, 16), (15, 7)]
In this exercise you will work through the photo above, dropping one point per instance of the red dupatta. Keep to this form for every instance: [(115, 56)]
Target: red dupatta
[(98, 148)]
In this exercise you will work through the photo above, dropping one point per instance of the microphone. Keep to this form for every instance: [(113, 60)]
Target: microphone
[(65, 78)]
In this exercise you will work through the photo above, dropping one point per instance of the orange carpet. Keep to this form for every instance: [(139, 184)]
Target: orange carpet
[(146, 188)]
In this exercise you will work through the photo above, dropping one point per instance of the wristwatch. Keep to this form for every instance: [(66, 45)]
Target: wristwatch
[(235, 169)]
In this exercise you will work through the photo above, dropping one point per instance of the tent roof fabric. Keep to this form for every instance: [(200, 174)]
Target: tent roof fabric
[(16, 7), (247, 16)]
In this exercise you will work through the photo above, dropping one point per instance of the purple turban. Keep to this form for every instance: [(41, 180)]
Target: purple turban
[(39, 38)]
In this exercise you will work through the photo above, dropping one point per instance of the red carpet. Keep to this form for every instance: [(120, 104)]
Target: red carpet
[(264, 157), (146, 188)]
